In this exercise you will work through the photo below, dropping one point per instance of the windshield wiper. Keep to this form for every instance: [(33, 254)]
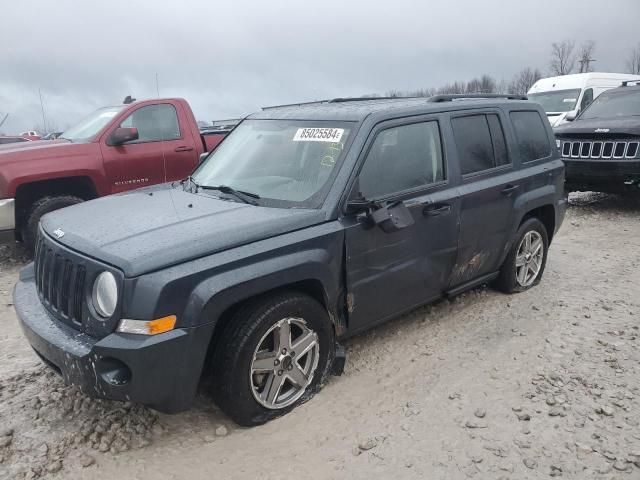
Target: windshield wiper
[(191, 181), (246, 197)]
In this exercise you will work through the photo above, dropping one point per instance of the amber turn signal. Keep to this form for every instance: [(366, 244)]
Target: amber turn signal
[(147, 327)]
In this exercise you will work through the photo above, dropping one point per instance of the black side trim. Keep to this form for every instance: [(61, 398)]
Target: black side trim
[(473, 283)]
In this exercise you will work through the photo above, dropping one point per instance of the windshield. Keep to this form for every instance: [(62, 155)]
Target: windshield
[(609, 105), (287, 163), (90, 126), (557, 101)]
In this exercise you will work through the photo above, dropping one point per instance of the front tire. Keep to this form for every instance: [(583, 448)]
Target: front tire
[(527, 258), (274, 355), (42, 206)]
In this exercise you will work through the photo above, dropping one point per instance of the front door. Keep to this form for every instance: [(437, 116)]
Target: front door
[(147, 160), (391, 272)]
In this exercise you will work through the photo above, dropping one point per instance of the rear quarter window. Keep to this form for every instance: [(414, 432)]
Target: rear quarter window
[(531, 135)]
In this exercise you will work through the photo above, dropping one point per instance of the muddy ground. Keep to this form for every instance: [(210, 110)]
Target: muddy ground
[(544, 383)]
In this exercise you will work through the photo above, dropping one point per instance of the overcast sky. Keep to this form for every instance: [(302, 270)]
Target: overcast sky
[(230, 58)]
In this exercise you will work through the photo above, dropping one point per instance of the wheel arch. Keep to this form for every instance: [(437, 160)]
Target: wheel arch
[(537, 203), (546, 214), (28, 193)]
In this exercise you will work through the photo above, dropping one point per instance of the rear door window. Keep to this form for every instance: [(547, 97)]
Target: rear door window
[(531, 134), (480, 142)]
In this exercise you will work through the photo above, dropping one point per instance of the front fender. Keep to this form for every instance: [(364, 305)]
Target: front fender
[(199, 291), (215, 295)]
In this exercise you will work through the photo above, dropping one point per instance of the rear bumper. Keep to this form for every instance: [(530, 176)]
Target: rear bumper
[(561, 211), (609, 175), (7, 219), (161, 371)]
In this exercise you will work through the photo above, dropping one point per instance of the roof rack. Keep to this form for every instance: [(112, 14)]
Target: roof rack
[(627, 82), (364, 99), (296, 104), (465, 96), (337, 100)]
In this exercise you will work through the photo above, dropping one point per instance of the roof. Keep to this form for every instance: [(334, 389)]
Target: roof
[(579, 80), (356, 109), (629, 88)]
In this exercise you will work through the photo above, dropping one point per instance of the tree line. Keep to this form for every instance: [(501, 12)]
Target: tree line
[(565, 58)]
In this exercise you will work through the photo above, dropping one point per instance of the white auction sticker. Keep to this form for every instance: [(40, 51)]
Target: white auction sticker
[(318, 135)]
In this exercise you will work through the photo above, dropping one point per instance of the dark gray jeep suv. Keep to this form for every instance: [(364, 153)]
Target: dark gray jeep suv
[(308, 224), (601, 148)]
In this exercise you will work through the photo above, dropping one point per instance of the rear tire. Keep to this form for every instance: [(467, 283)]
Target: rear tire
[(42, 206), (253, 358), (527, 258)]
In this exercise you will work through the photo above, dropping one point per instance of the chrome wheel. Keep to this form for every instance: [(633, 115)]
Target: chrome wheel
[(529, 258), (284, 363)]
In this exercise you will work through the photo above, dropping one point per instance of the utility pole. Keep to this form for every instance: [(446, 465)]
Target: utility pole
[(44, 120), (584, 64)]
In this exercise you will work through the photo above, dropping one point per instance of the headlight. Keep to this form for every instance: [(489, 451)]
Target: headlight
[(105, 294)]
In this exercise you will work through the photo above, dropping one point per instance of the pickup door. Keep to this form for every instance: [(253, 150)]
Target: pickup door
[(165, 150)]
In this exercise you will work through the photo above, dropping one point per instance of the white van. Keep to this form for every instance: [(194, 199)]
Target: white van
[(570, 94)]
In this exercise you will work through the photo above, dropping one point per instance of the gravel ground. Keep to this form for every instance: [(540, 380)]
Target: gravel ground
[(544, 383)]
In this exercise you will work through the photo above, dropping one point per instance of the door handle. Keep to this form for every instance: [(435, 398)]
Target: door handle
[(183, 148), (434, 211), (508, 190)]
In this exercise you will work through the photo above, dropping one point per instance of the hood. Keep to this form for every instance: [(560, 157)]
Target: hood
[(600, 127), (156, 227), (31, 146), (41, 150), (29, 161)]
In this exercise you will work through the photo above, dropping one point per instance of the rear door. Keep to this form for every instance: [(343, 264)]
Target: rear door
[(390, 272), (490, 183)]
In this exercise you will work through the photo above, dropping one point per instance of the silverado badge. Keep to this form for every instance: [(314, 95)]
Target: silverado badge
[(58, 233)]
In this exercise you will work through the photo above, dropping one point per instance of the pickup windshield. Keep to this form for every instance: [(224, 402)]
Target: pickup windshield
[(91, 125), (557, 101), (618, 104), (286, 163)]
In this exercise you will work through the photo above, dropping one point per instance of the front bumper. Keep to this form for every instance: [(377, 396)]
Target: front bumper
[(161, 371), (605, 175), (7, 219)]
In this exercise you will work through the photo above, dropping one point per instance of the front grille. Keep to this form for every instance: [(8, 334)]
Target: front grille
[(616, 149), (60, 282)]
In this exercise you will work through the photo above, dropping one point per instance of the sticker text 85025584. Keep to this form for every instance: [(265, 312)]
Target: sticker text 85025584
[(318, 135)]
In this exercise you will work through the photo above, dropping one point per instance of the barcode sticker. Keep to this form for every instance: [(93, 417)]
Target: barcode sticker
[(318, 135)]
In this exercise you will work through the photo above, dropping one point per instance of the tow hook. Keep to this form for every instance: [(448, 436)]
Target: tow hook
[(339, 360)]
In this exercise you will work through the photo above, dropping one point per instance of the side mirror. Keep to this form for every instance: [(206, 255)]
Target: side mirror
[(389, 218), (203, 157), (123, 135), (359, 206), (571, 116)]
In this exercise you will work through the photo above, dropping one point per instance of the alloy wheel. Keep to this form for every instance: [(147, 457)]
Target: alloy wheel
[(284, 363), (529, 258)]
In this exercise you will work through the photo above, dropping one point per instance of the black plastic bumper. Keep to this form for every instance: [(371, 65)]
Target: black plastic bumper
[(608, 175), (161, 371)]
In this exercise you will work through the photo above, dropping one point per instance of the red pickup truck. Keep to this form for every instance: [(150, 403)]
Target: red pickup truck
[(112, 150)]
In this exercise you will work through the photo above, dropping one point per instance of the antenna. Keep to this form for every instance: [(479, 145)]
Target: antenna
[(44, 120), (4, 119), (157, 85)]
